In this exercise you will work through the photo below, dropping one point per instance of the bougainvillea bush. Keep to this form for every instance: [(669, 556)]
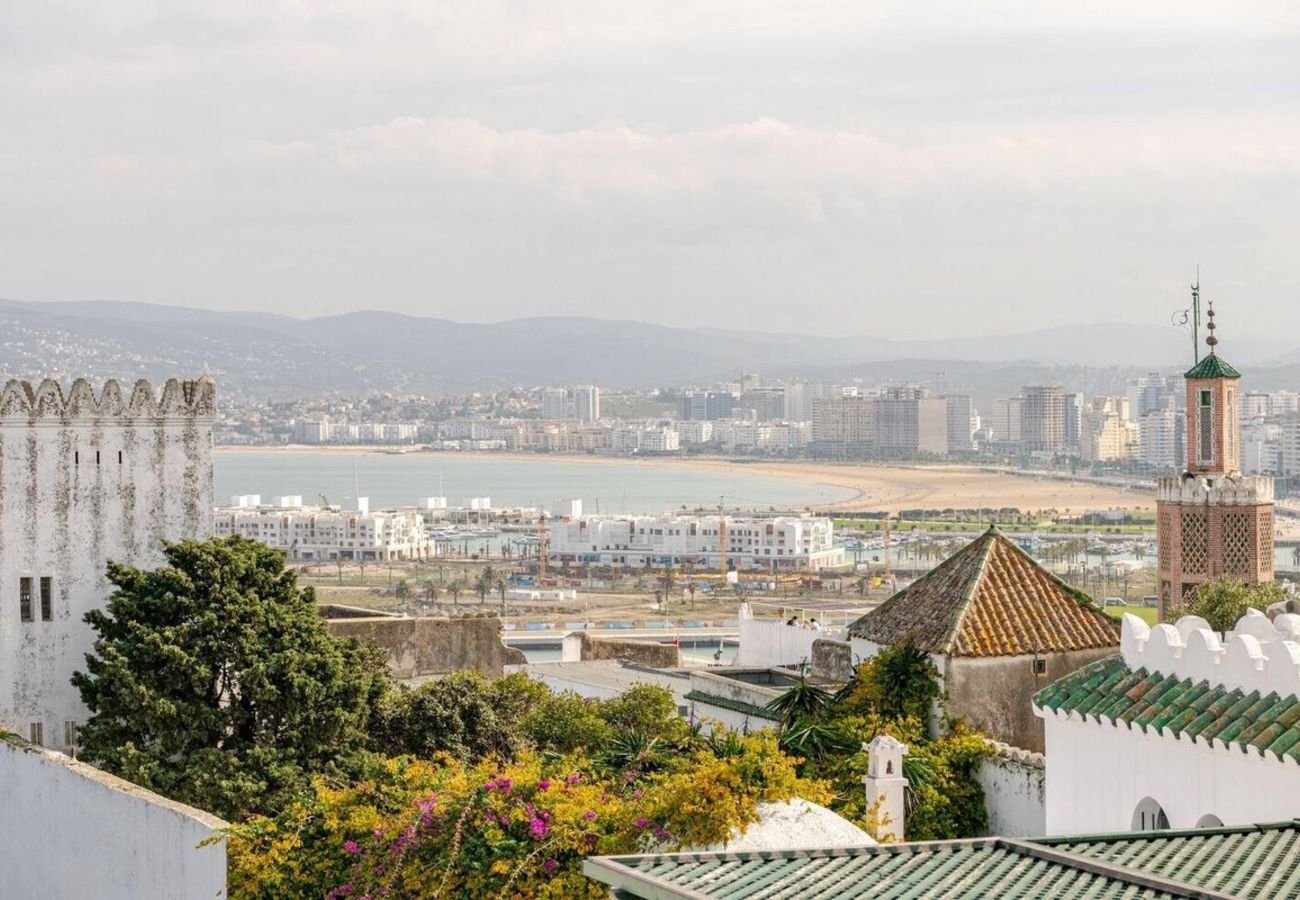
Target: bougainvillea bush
[(441, 828)]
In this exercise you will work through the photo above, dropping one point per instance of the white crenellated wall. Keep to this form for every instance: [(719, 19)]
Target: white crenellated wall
[(1015, 794), (70, 830), (1099, 773), (1257, 655), (86, 479)]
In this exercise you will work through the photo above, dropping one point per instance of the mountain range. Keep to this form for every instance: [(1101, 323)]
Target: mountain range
[(261, 354)]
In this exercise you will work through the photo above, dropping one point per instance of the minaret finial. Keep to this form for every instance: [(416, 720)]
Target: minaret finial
[(1210, 341)]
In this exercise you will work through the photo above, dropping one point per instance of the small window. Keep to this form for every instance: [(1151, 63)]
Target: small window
[(25, 599), (1206, 398), (70, 735), (1040, 667), (96, 457), (36, 732), (119, 457), (76, 457), (47, 608)]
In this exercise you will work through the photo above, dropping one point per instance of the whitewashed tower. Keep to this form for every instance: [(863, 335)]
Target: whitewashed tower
[(886, 786), (86, 479)]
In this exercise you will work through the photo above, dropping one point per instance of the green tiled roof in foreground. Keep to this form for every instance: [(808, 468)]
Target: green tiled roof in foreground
[(1252, 862), (1249, 861), (975, 870), (739, 706), (1212, 366), (1108, 689)]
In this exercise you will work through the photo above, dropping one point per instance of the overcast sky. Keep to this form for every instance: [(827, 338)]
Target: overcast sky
[(902, 169)]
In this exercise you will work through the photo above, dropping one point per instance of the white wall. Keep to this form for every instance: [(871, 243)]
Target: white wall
[(1014, 791), (70, 830), (67, 506), (771, 642), (1097, 773)]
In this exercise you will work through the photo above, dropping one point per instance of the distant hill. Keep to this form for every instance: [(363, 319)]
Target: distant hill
[(269, 355)]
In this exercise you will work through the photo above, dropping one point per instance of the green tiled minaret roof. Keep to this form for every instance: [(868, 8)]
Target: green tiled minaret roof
[(1212, 366)]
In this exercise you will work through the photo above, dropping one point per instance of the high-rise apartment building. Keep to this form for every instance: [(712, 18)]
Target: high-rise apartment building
[(555, 403), (1108, 435), (1160, 438), (961, 425), (586, 403), (1042, 419), (1004, 424), (708, 405), (843, 426), (909, 420), (1074, 421)]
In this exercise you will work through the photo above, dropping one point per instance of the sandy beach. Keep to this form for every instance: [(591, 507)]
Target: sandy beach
[(878, 488)]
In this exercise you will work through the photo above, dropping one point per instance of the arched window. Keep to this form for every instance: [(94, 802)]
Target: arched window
[(1149, 816), (1209, 820)]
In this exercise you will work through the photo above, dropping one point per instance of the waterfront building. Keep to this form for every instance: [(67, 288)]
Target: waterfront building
[(328, 533), (961, 423), (85, 479), (1005, 423), (1160, 438), (1074, 408), (1212, 521), (586, 403), (1186, 728), (1151, 392), (909, 421), (843, 426), (753, 542), (691, 431), (998, 627), (1107, 433), (708, 405), (555, 403), (1042, 419)]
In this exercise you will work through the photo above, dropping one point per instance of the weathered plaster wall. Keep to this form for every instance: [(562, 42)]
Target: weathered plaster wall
[(86, 479), (1015, 791), (995, 693), (771, 642), (832, 660), (70, 830), (646, 653), (433, 645)]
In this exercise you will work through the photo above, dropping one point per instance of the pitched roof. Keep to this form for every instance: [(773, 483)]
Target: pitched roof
[(1244, 861), (1108, 689), (1212, 366), (1253, 862), (989, 599)]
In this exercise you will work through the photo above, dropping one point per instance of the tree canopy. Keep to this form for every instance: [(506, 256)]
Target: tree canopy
[(214, 680), (1224, 601)]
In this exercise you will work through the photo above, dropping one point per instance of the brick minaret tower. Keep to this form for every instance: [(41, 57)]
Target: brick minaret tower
[(1212, 521)]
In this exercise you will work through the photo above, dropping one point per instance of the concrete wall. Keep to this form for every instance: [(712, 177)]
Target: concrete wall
[(771, 642), (1015, 791), (995, 693), (85, 479), (721, 686), (646, 653), (70, 830), (1098, 773), (430, 645)]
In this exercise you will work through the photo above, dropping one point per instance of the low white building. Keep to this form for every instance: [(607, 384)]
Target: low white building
[(1186, 728), (753, 542), (327, 533)]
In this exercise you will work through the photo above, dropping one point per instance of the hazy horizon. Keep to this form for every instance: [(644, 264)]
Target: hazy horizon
[(820, 168)]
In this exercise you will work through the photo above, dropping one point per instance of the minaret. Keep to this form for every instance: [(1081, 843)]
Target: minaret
[(1212, 521)]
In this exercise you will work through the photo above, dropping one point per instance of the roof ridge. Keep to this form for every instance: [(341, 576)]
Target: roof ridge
[(990, 539)]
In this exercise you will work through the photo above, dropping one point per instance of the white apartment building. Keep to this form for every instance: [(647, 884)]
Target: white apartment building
[(327, 533), (753, 542), (555, 403), (586, 403), (1004, 424), (693, 431), (85, 479), (1159, 439), (643, 439)]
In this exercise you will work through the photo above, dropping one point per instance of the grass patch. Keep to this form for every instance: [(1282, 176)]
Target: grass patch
[(1148, 614)]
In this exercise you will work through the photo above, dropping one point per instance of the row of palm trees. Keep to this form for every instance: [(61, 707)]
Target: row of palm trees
[(488, 581)]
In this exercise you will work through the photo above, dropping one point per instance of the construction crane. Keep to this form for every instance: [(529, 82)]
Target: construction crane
[(889, 565), (541, 547), (722, 540)]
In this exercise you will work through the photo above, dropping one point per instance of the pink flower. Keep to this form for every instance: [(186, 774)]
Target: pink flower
[(543, 784), (538, 829), (642, 822), (351, 847), (573, 779), (589, 815), (550, 865)]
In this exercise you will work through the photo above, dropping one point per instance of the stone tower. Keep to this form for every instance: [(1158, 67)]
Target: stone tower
[(86, 479), (1212, 521)]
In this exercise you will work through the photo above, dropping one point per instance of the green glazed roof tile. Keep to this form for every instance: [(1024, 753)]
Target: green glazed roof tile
[(1109, 690), (1212, 366)]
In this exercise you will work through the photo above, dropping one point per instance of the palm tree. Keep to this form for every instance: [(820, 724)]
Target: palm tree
[(500, 586), (455, 589), (430, 590), (402, 590)]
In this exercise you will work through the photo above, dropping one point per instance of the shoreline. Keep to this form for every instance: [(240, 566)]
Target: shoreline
[(875, 487)]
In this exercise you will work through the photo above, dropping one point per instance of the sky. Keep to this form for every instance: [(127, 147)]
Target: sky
[(901, 169)]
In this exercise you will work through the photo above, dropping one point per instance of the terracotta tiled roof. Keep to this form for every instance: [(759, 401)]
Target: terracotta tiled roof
[(989, 599)]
